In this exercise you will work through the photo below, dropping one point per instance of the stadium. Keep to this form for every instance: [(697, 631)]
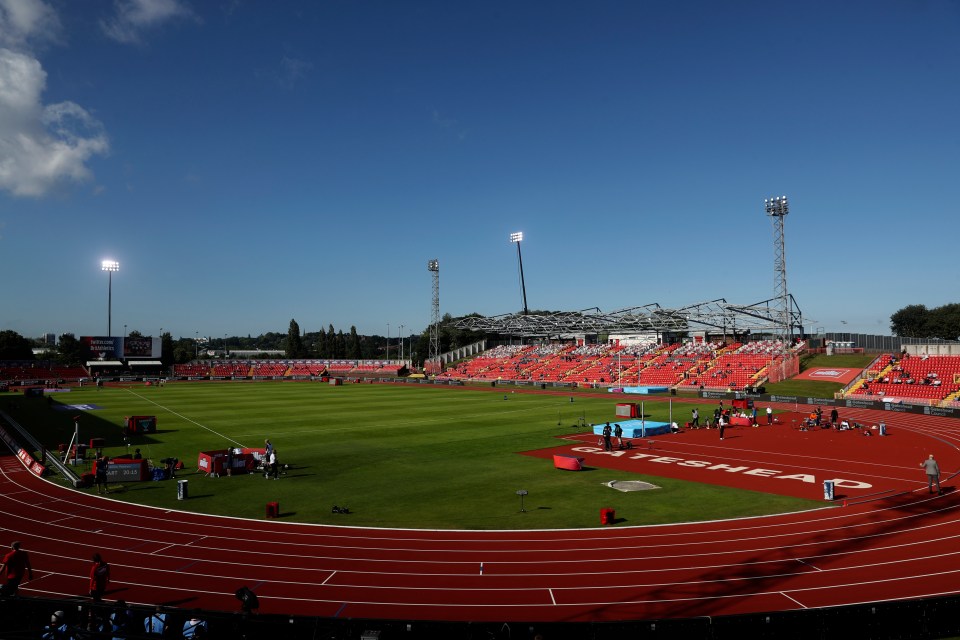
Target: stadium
[(482, 496), (665, 442)]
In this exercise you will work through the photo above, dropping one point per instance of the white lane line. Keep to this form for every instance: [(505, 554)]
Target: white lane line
[(794, 599)]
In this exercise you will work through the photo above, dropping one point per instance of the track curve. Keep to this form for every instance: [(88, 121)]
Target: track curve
[(896, 547)]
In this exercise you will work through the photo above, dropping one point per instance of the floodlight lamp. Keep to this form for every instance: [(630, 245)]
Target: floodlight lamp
[(110, 265), (777, 205), (433, 265), (516, 237)]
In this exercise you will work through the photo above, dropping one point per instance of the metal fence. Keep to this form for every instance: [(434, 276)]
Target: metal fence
[(935, 617), (868, 342)]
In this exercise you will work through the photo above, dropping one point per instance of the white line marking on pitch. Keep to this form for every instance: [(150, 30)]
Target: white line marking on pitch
[(180, 415)]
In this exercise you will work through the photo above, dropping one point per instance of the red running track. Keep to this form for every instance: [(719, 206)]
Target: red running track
[(899, 545)]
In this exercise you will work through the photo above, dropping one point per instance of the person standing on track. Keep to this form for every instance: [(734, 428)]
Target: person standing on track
[(721, 423), (932, 470), (618, 434), (15, 565), (99, 577), (769, 415), (607, 445), (696, 418)]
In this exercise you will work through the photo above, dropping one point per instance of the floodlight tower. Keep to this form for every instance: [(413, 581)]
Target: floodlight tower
[(433, 266), (778, 208), (109, 266), (518, 238)]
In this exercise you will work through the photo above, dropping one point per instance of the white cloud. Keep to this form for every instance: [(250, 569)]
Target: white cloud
[(23, 21), (41, 145), (292, 71), (132, 17)]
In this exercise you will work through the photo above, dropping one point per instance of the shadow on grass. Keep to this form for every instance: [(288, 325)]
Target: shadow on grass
[(145, 486)]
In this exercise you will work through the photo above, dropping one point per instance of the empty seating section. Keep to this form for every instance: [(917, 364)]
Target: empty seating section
[(376, 369), (389, 370), (926, 378), (17, 371), (40, 371), (268, 369), (489, 365), (307, 369), (340, 367), (229, 369), (191, 370), (294, 369)]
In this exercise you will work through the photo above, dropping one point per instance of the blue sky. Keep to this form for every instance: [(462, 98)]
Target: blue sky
[(252, 162)]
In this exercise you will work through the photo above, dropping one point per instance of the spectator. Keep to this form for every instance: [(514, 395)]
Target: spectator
[(57, 629), (156, 624), (121, 620), (248, 599), (195, 627)]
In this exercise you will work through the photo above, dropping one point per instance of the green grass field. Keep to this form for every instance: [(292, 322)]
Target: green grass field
[(815, 388), (399, 456)]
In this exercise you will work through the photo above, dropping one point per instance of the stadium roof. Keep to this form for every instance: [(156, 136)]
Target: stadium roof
[(710, 316)]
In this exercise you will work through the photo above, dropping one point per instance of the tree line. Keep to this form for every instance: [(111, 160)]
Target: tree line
[(331, 344), (917, 321)]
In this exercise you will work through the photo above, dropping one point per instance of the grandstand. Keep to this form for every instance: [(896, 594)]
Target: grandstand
[(40, 371), (917, 380), (696, 365), (699, 363), (290, 369)]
